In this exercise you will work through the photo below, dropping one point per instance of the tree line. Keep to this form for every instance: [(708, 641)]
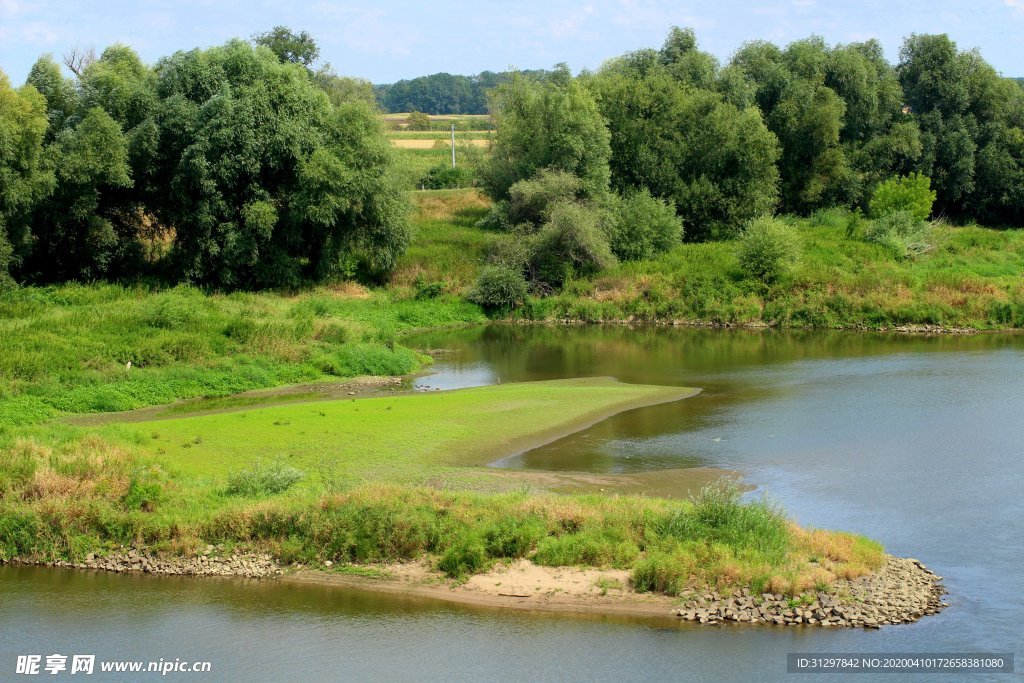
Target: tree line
[(585, 168), (247, 165), (445, 93)]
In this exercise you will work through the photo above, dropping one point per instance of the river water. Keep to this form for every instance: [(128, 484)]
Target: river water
[(916, 442)]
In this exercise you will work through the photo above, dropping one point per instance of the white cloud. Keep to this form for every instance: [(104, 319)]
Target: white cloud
[(1015, 5), (10, 8), (38, 33)]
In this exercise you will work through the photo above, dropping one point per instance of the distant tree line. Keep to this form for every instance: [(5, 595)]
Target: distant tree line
[(445, 93), (236, 167)]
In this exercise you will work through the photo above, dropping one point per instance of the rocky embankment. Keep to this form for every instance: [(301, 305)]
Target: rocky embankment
[(903, 591), (212, 561)]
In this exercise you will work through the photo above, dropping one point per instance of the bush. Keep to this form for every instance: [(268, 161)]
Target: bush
[(468, 556), (530, 201), (445, 177), (769, 249), (259, 480), (499, 287), (902, 232), (417, 120), (571, 242), (912, 194), (643, 226)]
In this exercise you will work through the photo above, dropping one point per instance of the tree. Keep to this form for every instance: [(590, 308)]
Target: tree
[(971, 122), (26, 177), (546, 125), (688, 146), (807, 116), (61, 97), (289, 46), (79, 232), (263, 181), (912, 194)]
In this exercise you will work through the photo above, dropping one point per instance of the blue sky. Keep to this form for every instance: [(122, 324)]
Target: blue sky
[(391, 39)]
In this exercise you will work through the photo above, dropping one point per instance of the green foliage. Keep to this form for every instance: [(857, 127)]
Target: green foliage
[(263, 480), (61, 98), (289, 46), (142, 495), (26, 177), (417, 120), (683, 144), (768, 249), (79, 232), (499, 287), (530, 200), (903, 232), (546, 125), (643, 227), (326, 171), (445, 177), (466, 557), (572, 242), (912, 194)]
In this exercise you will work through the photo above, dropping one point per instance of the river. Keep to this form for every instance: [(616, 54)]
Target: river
[(916, 442)]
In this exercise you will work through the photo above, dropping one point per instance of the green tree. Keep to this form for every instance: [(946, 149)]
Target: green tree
[(289, 46), (715, 161), (807, 117), (78, 232), (912, 194), (546, 125), (264, 182), (25, 176), (61, 96), (769, 249)]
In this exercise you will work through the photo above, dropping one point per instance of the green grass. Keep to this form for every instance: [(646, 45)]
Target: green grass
[(66, 349), (157, 484), (972, 279), (409, 439), (448, 247)]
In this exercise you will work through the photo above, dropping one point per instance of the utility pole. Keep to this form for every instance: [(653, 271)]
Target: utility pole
[(453, 145)]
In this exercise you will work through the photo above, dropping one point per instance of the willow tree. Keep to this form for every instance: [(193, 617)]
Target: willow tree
[(687, 145), (261, 179), (552, 124), (25, 177)]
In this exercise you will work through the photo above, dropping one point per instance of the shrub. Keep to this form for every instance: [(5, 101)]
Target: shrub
[(499, 287), (530, 201), (902, 232), (142, 495), (912, 194), (259, 479), (445, 177), (642, 226), (468, 556), (769, 249), (571, 242), (417, 120)]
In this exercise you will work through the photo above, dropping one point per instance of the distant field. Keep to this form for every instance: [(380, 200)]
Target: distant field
[(443, 122), (407, 143)]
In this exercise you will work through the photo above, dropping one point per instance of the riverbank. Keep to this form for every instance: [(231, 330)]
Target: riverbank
[(901, 592), (970, 280)]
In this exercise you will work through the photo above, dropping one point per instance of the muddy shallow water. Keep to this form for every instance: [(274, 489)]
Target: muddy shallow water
[(914, 441)]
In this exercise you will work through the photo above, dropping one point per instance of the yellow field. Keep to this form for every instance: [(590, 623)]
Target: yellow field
[(439, 142)]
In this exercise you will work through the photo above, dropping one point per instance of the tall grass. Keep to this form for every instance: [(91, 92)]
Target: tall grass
[(97, 348)]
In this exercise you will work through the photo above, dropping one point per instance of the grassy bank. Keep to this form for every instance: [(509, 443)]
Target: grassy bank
[(970, 279), (97, 348), (386, 479)]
